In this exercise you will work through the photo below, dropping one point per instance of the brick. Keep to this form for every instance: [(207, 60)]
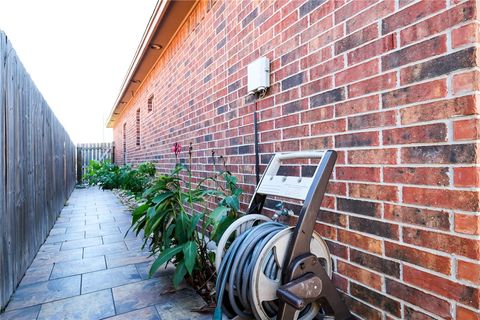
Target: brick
[(438, 23), (358, 307), (419, 298), (372, 49), (326, 231), (283, 146), (334, 187), (464, 294), (328, 97), (410, 313), (444, 154), (378, 83), (379, 264), (375, 227), (373, 13), (437, 110), (349, 10), (373, 191), (355, 73), (325, 38), (294, 55), (468, 224), (327, 67), (295, 132), (419, 51), (332, 218), (324, 10), (325, 127), (442, 198), (439, 66), (372, 120), (469, 248), (465, 35), (316, 57), (317, 143), (317, 86), (466, 177), (366, 277), (420, 134), (358, 174), (356, 39), (411, 14), (418, 257), (288, 21), (287, 121), (419, 176), (420, 92), (309, 6), (317, 114), (250, 17), (365, 208), (466, 82), (360, 105), (377, 299), (466, 314), (357, 140), (360, 241), (468, 271), (293, 81), (372, 156), (294, 106), (466, 129), (337, 249), (296, 28), (422, 217), (341, 283)]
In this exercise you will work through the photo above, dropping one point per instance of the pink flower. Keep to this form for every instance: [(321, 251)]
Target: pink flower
[(177, 148)]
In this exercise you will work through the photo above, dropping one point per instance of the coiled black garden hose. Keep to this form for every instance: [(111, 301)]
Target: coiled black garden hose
[(236, 271)]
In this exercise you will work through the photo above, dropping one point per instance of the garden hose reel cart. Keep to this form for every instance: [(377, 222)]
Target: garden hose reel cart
[(271, 271)]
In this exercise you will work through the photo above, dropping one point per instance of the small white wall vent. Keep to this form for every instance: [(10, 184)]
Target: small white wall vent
[(258, 75)]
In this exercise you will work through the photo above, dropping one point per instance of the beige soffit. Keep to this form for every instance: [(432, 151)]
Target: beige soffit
[(166, 19)]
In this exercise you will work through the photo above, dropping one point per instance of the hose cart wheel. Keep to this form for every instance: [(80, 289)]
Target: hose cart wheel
[(274, 252), (267, 270)]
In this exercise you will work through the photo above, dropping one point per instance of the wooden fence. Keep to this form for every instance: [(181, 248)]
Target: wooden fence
[(37, 169), (92, 151)]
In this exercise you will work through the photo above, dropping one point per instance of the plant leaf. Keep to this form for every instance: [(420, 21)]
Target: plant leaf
[(194, 222), (220, 228), (151, 212), (163, 257), (179, 274), (181, 228), (141, 209), (233, 202), (218, 213), (190, 255), (162, 197)]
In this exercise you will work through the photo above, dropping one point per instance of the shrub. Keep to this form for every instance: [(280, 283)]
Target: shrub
[(177, 223), (110, 176)]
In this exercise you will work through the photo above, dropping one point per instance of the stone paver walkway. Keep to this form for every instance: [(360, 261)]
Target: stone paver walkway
[(86, 269)]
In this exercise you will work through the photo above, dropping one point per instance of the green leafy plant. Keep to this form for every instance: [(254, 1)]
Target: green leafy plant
[(110, 176), (104, 174), (177, 221)]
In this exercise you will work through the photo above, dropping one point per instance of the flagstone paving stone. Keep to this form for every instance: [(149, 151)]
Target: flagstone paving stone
[(88, 269)]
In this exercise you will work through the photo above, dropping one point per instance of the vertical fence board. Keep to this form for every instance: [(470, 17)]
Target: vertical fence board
[(3, 209), (37, 169), (92, 151)]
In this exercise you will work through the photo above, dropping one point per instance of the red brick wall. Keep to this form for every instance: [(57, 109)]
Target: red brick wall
[(391, 85)]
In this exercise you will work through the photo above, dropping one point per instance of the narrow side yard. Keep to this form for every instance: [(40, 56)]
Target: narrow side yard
[(86, 269)]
